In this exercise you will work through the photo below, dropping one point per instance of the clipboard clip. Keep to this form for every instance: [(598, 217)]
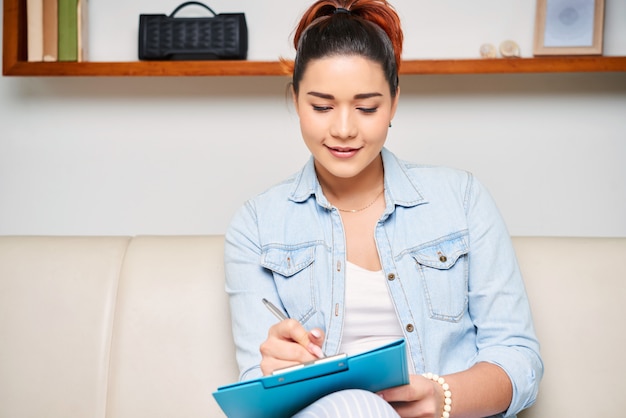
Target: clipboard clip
[(312, 369)]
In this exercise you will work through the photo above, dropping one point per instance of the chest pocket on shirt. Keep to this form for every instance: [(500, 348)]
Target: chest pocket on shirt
[(444, 270), (294, 277)]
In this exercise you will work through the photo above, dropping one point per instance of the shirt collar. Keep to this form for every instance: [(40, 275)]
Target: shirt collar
[(400, 186)]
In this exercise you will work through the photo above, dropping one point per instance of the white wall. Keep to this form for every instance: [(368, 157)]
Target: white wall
[(179, 155)]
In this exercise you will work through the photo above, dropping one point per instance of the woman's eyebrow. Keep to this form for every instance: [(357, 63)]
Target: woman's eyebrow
[(331, 97), (366, 95), (321, 95)]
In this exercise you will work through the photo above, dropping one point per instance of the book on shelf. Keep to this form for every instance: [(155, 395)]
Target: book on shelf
[(68, 30), (72, 30), (34, 33), (50, 30), (83, 21)]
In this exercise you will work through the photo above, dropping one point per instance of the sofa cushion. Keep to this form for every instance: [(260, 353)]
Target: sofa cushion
[(57, 302), (172, 343)]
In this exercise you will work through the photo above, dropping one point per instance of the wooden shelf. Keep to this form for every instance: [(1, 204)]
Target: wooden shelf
[(261, 68), (515, 65), (14, 61)]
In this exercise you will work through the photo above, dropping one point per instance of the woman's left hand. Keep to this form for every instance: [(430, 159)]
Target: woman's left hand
[(421, 398)]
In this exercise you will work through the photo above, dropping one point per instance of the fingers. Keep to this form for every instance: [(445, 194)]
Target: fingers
[(291, 329), (418, 398), (289, 343), (418, 388), (294, 331), (316, 338)]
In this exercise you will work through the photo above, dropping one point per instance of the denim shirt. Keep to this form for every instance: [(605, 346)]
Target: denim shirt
[(451, 272)]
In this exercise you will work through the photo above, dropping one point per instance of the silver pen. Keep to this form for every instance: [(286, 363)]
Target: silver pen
[(273, 309), (281, 316)]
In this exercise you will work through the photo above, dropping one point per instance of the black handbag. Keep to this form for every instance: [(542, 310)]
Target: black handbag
[(222, 36)]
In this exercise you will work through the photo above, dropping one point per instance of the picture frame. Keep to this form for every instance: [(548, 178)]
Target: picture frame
[(566, 27)]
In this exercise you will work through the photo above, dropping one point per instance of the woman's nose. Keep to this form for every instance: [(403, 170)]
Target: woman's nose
[(344, 126)]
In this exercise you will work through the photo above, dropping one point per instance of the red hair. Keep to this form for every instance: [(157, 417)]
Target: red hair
[(379, 12)]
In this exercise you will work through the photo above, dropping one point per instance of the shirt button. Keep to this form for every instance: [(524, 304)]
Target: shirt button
[(391, 277), (443, 258), (410, 328)]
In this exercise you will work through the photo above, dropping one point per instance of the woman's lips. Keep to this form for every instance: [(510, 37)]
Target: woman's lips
[(343, 152)]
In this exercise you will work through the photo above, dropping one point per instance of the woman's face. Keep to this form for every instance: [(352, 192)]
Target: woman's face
[(345, 108)]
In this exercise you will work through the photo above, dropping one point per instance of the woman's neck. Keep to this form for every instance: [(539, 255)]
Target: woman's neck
[(353, 192)]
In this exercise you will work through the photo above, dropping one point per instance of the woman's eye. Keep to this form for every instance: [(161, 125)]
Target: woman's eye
[(321, 108), (368, 109)]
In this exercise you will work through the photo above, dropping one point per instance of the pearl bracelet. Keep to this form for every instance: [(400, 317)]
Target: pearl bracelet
[(447, 395)]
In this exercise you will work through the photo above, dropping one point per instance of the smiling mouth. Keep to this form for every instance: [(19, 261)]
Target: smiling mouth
[(342, 152)]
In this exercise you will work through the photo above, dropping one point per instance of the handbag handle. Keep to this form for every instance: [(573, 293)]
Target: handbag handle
[(192, 3)]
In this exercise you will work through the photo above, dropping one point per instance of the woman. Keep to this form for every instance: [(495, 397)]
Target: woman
[(360, 248)]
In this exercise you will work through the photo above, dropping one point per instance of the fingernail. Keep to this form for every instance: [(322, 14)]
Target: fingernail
[(316, 333), (315, 350)]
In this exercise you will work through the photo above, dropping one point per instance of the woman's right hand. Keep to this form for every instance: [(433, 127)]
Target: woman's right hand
[(289, 343)]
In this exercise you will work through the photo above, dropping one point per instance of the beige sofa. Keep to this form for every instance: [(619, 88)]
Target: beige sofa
[(95, 327)]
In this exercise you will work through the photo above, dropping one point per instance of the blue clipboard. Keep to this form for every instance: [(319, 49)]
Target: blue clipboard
[(287, 391)]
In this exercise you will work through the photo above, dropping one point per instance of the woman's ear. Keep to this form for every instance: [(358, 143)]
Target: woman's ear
[(394, 103), (294, 97)]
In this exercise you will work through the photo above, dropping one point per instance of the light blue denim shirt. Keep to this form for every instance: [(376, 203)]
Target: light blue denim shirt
[(451, 272)]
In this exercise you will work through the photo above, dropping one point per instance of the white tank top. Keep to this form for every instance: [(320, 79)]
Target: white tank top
[(370, 318)]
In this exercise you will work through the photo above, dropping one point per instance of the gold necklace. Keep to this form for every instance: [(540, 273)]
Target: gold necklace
[(364, 207)]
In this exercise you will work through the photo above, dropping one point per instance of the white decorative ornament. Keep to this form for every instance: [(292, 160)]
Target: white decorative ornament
[(488, 51), (509, 49)]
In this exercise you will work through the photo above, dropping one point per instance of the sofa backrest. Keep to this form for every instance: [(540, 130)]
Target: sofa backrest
[(577, 291), (113, 327)]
